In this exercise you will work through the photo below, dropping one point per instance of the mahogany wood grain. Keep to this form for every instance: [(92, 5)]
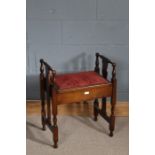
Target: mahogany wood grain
[(79, 94)]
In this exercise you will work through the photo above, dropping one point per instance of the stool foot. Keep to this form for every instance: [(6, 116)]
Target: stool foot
[(55, 146), (111, 134), (55, 137), (43, 122), (112, 125), (95, 118), (43, 128)]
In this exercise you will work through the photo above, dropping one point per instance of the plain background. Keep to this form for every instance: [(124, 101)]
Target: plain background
[(13, 79), (67, 33)]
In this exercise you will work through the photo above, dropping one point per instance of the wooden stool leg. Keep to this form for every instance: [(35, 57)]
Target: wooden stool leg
[(103, 109), (54, 111), (48, 92), (43, 113), (42, 96), (112, 120), (55, 132), (113, 103), (48, 109), (96, 105)]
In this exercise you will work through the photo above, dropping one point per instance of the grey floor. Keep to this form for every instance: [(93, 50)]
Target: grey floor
[(78, 136)]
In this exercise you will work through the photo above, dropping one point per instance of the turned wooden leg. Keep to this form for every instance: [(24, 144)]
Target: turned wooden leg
[(112, 121), (42, 97), (55, 132), (48, 109), (103, 109), (43, 113), (54, 111), (96, 105), (113, 103)]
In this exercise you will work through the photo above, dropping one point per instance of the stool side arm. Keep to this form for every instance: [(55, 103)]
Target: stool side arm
[(49, 70), (107, 61)]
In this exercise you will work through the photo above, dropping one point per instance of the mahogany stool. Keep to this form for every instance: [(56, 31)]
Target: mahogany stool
[(76, 87)]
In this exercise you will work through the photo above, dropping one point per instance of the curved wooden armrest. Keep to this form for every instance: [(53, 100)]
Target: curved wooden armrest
[(105, 62), (49, 71)]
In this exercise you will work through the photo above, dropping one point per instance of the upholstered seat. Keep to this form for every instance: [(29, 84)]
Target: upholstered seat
[(81, 79)]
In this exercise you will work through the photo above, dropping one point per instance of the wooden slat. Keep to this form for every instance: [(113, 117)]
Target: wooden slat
[(77, 109)]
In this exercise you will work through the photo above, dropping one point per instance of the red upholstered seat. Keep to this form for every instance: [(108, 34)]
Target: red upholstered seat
[(81, 79)]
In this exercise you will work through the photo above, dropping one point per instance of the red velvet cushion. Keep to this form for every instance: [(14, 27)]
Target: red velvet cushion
[(81, 79)]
